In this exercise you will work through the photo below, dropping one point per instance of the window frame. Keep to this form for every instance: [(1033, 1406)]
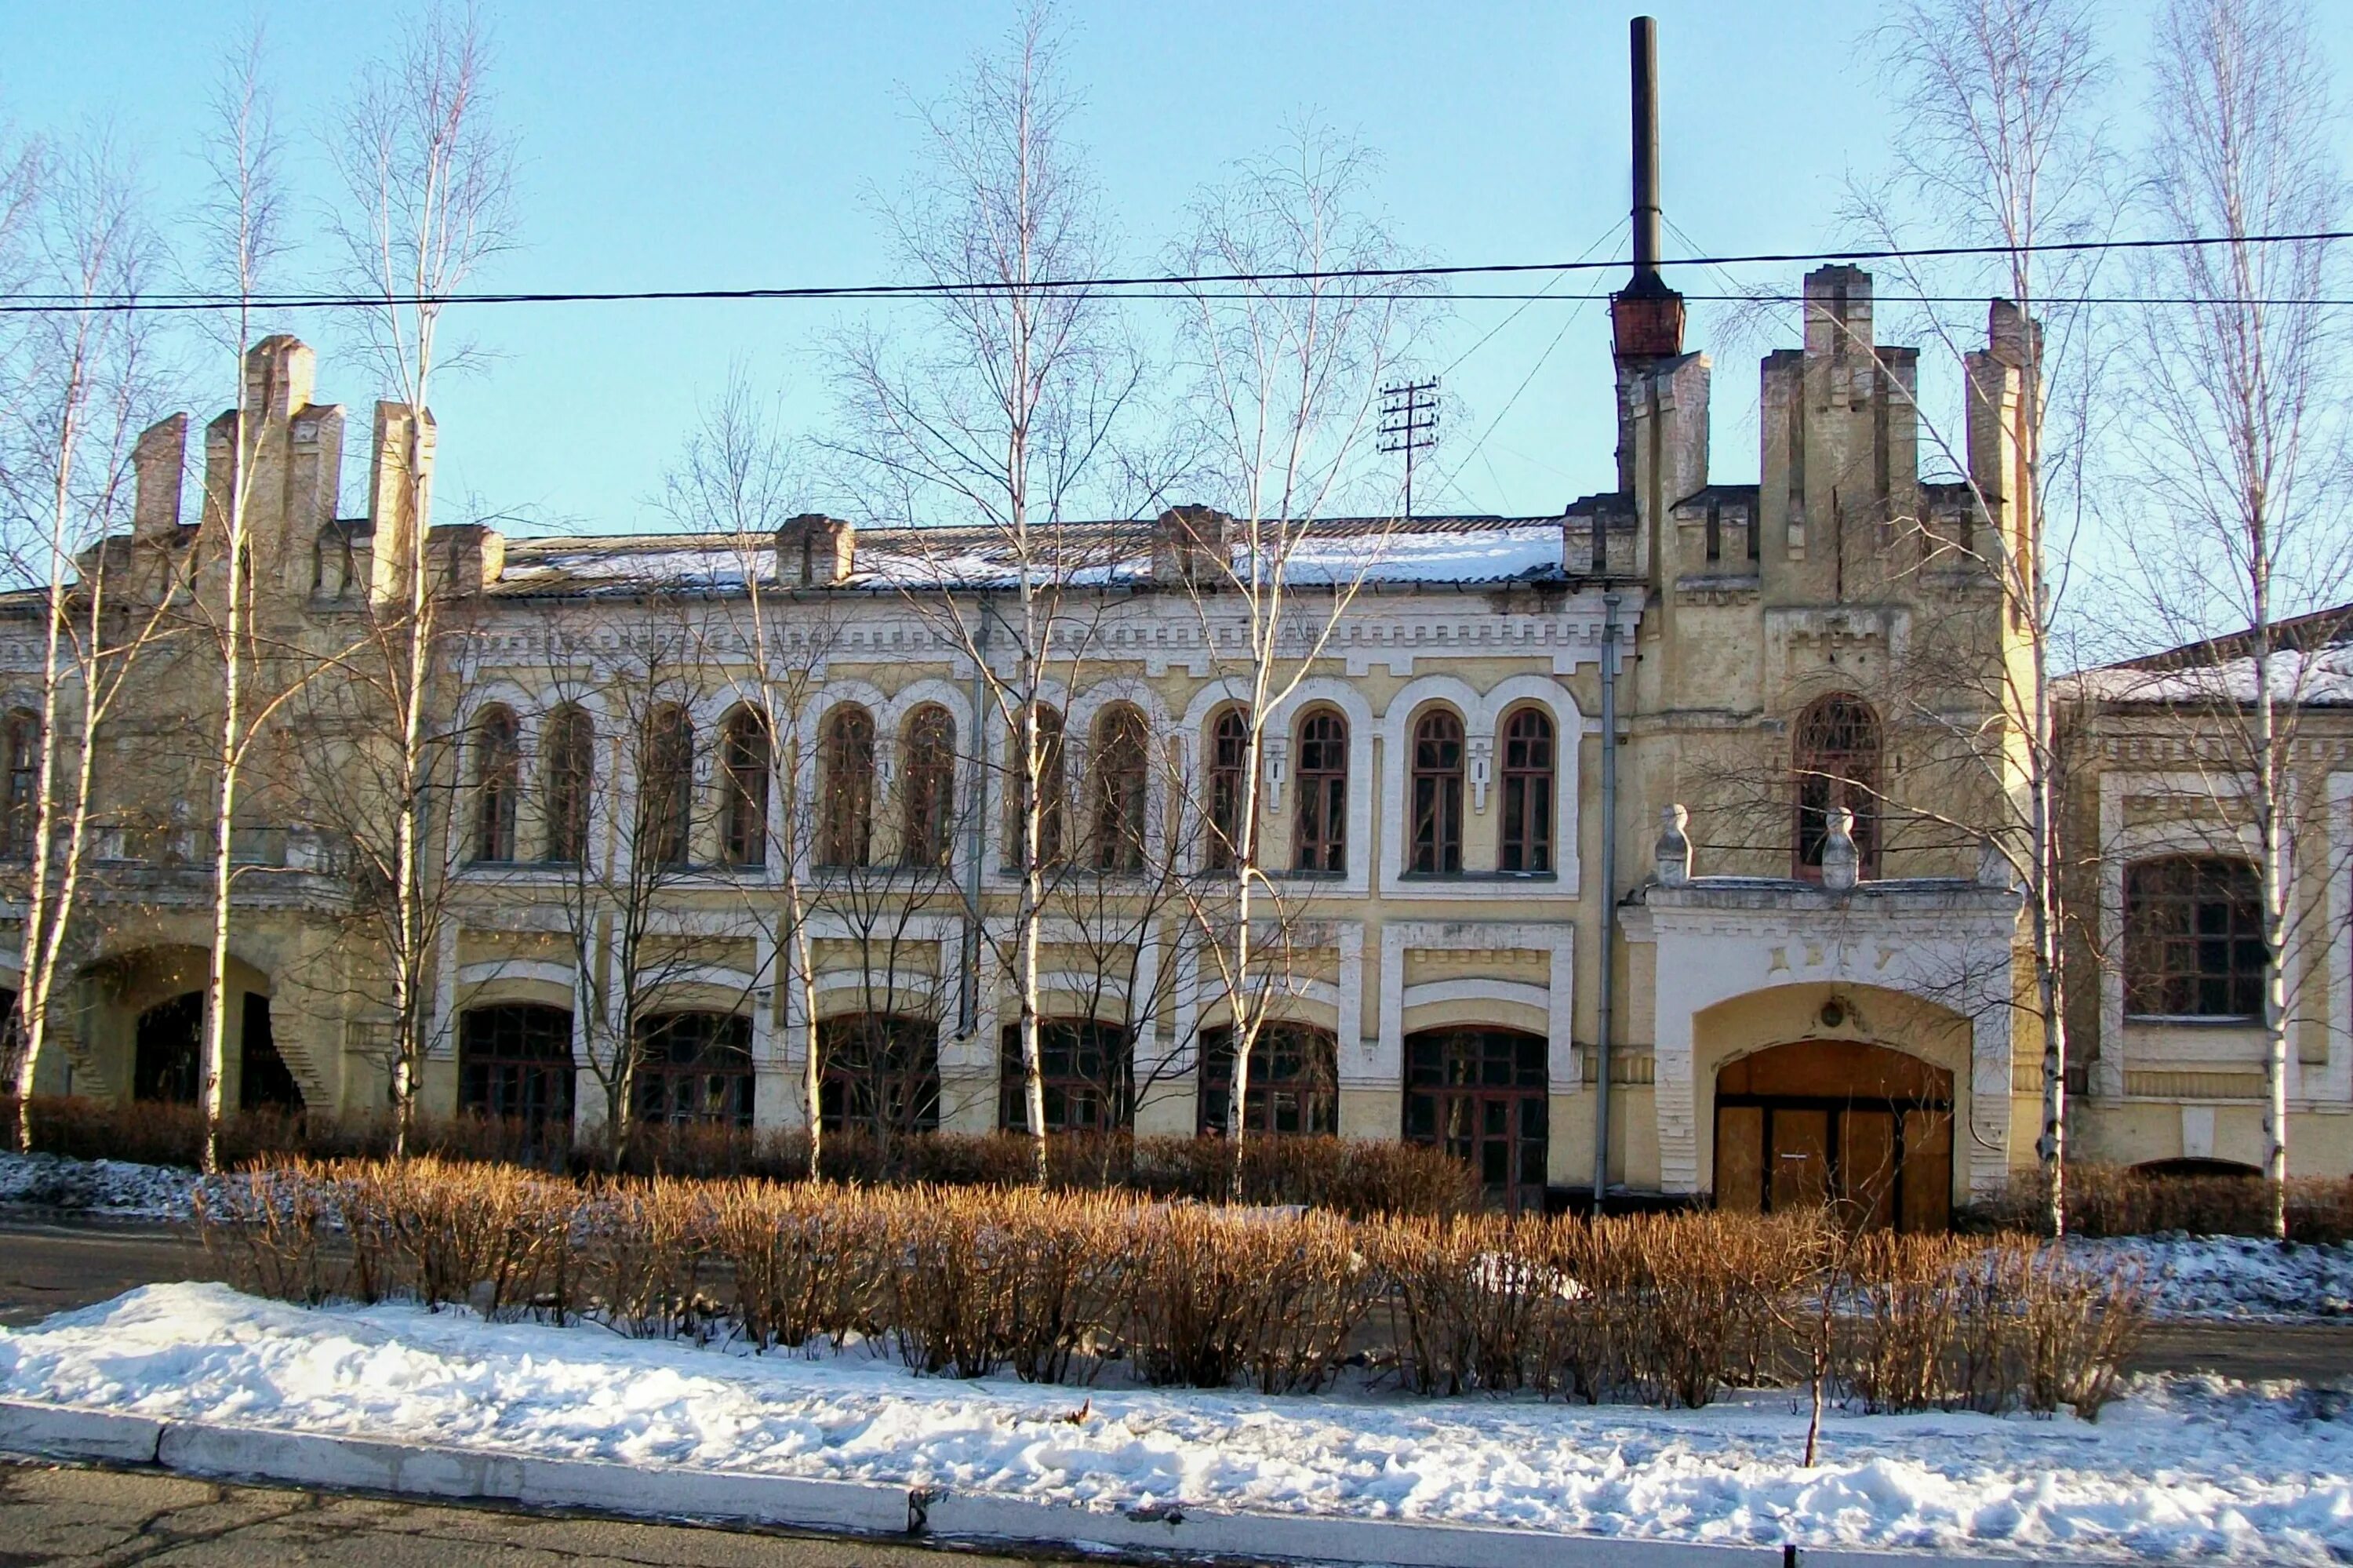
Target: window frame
[(20, 792), (497, 785), (709, 1084), (846, 767), (1525, 846), (1292, 1064), (745, 763), (1319, 835), (899, 1095), (1434, 829), (927, 786), (2230, 992), (1226, 751), (488, 1070), (1829, 768), (666, 787), (1068, 1041), (568, 768), (1052, 778), (1119, 776)]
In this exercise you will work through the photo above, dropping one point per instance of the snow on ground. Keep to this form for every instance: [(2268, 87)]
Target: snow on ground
[(2182, 1469), (114, 1187), (2233, 1276)]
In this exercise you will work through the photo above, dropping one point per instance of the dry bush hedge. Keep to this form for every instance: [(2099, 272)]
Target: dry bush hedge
[(1352, 1176), (1057, 1286), (2111, 1200)]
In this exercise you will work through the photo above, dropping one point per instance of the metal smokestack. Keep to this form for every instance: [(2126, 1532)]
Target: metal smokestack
[(1646, 316), (1644, 42)]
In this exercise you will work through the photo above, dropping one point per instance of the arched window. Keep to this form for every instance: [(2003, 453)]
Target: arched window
[(666, 787), (1836, 759), (845, 757), (1117, 771), (2193, 938), (20, 739), (743, 760), (1228, 760), (1481, 1094), (1438, 794), (515, 1063), (1044, 733), (1528, 791), (1294, 1081), (927, 786), (1089, 1073), (1320, 828), (881, 1073), (694, 1067), (497, 781), (571, 760)]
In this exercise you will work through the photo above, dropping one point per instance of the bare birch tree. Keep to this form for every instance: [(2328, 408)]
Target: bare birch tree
[(82, 385), (428, 182), (1998, 145), (2243, 461), (1291, 371), (241, 226), (1000, 417)]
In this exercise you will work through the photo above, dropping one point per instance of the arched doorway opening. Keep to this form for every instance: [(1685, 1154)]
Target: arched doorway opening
[(1863, 1129), (169, 1049), (1482, 1096)]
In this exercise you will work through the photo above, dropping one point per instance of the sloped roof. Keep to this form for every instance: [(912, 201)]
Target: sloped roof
[(2312, 664), (1455, 550)]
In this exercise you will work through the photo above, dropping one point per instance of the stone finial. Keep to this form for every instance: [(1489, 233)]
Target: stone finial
[(1841, 863), (1674, 850), (157, 461), (814, 551), (1189, 547)]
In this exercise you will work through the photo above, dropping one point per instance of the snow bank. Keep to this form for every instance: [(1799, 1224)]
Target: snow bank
[(115, 1187), (2233, 1276), (2182, 1468)]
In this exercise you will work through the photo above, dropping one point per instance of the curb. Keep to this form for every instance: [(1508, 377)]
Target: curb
[(874, 1508)]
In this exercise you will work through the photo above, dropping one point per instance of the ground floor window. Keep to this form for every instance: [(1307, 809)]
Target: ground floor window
[(1863, 1129), (1294, 1081), (694, 1067), (881, 1074), (1481, 1094), (1089, 1070), (515, 1063)]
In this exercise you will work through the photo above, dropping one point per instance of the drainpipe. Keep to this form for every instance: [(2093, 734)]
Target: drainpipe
[(1607, 995), (968, 991)]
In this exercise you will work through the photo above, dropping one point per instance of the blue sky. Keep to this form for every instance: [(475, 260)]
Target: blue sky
[(701, 144)]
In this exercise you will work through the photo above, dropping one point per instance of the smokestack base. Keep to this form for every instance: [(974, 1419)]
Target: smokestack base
[(1647, 323)]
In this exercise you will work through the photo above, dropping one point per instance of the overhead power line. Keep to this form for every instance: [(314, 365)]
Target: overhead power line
[(24, 303)]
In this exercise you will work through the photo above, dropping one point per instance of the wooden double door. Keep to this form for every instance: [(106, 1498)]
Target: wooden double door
[(1863, 1129)]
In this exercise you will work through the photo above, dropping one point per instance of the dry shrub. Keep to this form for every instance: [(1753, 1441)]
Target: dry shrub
[(1949, 1322), (969, 1280), (2107, 1201), (1216, 1294), (803, 1262)]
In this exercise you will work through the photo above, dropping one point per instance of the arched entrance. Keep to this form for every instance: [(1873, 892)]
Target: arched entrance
[(167, 1050), (1860, 1126)]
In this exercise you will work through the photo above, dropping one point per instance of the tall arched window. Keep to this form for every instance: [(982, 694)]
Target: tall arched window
[(1228, 760), (1320, 832), (1835, 757), (743, 760), (927, 786), (1528, 791), (498, 778), (666, 787), (1045, 732), (845, 757), (570, 748), (1117, 771), (20, 739), (1438, 793)]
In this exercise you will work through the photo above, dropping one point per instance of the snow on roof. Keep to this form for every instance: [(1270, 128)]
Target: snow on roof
[(1455, 550), (2311, 665)]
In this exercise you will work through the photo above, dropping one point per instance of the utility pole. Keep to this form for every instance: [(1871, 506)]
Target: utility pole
[(1410, 424)]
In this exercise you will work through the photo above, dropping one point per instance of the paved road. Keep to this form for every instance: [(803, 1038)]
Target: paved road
[(108, 1519)]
